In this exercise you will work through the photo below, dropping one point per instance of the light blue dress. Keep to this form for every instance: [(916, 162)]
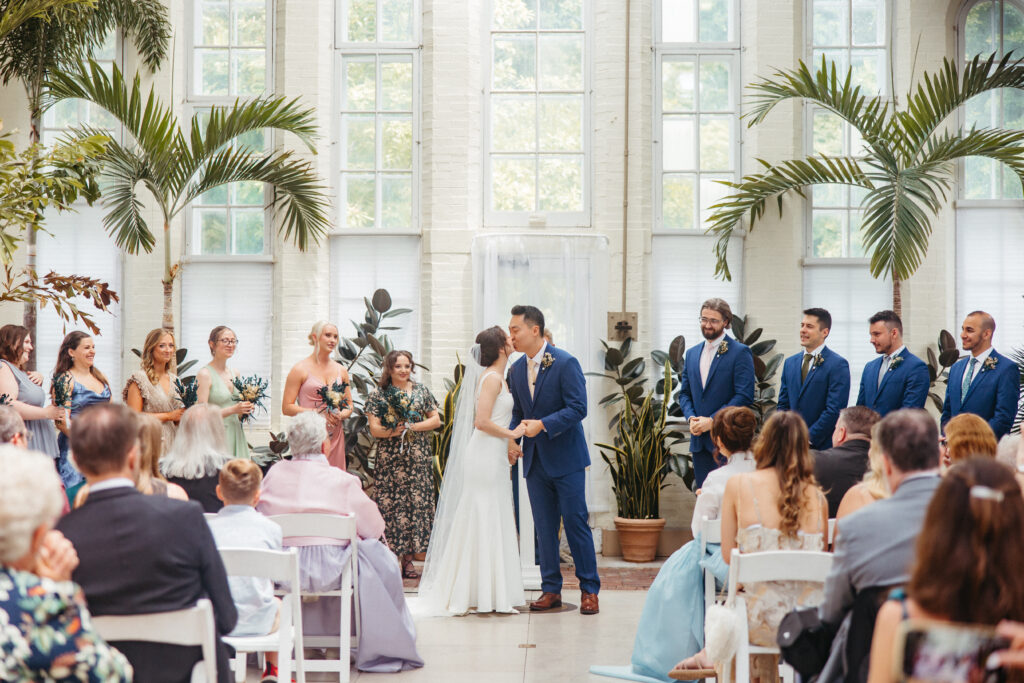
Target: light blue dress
[(81, 398)]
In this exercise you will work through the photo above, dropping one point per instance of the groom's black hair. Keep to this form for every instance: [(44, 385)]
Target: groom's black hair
[(531, 314)]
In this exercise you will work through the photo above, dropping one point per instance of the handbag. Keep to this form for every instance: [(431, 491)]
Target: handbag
[(805, 641)]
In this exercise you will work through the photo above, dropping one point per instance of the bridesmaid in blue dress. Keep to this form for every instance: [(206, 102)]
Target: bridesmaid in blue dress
[(75, 360), (24, 394)]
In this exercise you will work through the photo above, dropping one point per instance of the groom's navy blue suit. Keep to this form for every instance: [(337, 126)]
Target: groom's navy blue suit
[(555, 462)]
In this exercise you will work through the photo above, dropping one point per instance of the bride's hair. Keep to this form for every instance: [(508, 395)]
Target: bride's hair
[(784, 445), (491, 341)]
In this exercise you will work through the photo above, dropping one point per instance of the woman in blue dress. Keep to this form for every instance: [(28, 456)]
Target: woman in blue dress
[(672, 623), (87, 385), (24, 394)]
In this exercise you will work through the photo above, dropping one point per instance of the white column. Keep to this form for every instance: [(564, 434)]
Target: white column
[(531, 571)]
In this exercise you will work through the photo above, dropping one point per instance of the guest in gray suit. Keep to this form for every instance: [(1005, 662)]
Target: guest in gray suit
[(875, 545)]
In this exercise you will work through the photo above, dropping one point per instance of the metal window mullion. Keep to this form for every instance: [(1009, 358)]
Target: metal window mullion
[(378, 181), (536, 120)]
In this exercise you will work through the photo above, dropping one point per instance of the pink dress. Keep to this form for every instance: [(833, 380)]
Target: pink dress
[(309, 398)]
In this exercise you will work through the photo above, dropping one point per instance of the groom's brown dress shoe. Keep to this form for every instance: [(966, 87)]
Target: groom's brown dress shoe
[(588, 604), (546, 601)]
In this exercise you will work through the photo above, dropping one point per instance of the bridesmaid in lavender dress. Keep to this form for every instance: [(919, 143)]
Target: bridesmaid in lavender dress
[(306, 378)]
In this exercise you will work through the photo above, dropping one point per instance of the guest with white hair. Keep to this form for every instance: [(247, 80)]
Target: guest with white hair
[(46, 621), (197, 454), (308, 483)]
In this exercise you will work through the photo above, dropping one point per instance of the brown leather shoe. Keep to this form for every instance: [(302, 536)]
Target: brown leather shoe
[(588, 604), (546, 601)]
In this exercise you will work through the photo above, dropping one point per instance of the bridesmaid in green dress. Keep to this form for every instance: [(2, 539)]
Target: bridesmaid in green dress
[(215, 388)]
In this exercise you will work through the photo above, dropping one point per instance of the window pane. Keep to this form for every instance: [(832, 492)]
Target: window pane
[(677, 87), (250, 23), (711, 192), (1013, 29), (212, 23), (107, 52), (868, 70), (396, 21), (514, 14), (561, 183), (211, 72), (868, 22), (561, 62), (829, 195), (982, 110), (715, 22), (396, 200), (1011, 185), (831, 22), (677, 21), (360, 85), (361, 197), (979, 30), (981, 177), (678, 202), (857, 195), (678, 133), (513, 123), (828, 133), (217, 195), (715, 93), (514, 63), (715, 143), (213, 230), (250, 71), (62, 115), (248, 228), (360, 141), (514, 184), (561, 123), (247, 194), (255, 140), (836, 57), (561, 14), (362, 20), (856, 239), (396, 145), (396, 86), (828, 234)]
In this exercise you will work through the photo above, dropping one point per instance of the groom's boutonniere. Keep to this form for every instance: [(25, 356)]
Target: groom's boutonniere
[(723, 348), (990, 363), (819, 360), (895, 363), (546, 362)]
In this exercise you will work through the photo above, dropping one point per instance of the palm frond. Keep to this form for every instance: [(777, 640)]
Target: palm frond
[(754, 191), (145, 22), (123, 172), (18, 12), (1004, 146)]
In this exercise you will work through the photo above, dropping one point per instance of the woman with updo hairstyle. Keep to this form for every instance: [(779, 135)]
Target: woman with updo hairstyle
[(152, 388), (214, 386), (403, 482), (26, 396), (307, 377), (967, 435), (676, 598), (969, 558)]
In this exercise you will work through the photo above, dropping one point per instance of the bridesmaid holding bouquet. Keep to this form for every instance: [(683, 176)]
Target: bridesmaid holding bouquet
[(215, 386), (152, 389), (302, 389)]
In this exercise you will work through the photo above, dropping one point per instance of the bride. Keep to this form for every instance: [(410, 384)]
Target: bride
[(472, 562)]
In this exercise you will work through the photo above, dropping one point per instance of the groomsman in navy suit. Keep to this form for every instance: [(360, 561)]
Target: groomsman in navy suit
[(897, 379), (985, 383), (816, 383), (718, 372)]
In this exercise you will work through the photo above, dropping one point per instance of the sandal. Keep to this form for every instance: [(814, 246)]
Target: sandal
[(409, 570), (691, 669)]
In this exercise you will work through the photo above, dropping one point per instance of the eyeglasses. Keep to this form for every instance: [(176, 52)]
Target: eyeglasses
[(228, 342), (710, 321)]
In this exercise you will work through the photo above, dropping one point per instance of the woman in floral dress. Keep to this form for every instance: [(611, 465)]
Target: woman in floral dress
[(403, 482)]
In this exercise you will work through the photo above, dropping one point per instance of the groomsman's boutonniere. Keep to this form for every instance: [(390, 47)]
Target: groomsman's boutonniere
[(546, 362), (819, 360), (990, 363), (895, 363), (723, 348)]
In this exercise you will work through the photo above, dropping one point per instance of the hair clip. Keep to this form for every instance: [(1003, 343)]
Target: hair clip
[(1020, 467), (987, 493)]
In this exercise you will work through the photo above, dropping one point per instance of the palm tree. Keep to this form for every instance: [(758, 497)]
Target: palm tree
[(177, 169), (908, 165), (15, 13)]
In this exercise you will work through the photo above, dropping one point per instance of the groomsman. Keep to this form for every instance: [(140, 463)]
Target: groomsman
[(816, 383), (898, 379), (985, 383), (718, 372)]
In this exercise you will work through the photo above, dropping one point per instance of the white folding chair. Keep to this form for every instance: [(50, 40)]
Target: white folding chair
[(341, 528), (710, 532), (831, 532), (191, 626), (778, 565), (281, 568)]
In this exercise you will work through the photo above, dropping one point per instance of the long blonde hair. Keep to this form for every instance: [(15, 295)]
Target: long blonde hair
[(152, 339), (874, 480), (150, 447), (784, 445)]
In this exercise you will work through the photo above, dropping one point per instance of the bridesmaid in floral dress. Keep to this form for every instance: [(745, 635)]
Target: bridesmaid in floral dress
[(215, 387), (151, 389), (306, 378)]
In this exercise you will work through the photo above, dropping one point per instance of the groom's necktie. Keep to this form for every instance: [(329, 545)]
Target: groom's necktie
[(532, 365), (805, 366), (968, 376), (883, 369)]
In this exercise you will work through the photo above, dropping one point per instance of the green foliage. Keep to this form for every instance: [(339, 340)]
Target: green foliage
[(443, 437), (766, 365), (940, 359), (1018, 357), (16, 13)]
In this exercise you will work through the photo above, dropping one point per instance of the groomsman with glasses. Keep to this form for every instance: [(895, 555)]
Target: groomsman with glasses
[(986, 382), (816, 382), (898, 378)]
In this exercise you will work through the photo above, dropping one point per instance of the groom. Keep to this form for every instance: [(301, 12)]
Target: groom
[(551, 400)]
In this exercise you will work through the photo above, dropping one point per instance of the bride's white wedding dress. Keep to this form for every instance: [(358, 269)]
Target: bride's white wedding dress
[(476, 566)]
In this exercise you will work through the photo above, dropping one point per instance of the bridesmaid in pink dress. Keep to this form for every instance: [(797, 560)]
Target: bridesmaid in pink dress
[(306, 378)]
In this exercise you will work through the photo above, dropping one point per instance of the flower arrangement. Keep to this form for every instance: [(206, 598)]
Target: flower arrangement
[(395, 410), (62, 393), (819, 360), (6, 400), (895, 363), (546, 362), (332, 396), (188, 392), (723, 348), (252, 389), (990, 363)]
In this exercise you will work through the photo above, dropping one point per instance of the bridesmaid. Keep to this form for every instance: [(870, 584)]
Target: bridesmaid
[(151, 389), (313, 372), (76, 360), (215, 387), (27, 397)]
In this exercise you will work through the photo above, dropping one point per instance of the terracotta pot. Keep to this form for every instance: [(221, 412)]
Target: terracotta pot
[(638, 538)]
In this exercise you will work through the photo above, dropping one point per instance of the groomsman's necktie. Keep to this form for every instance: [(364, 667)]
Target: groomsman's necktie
[(532, 365), (805, 366), (882, 370), (968, 376)]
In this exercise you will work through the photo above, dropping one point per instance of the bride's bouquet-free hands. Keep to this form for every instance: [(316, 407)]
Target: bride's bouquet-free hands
[(252, 389)]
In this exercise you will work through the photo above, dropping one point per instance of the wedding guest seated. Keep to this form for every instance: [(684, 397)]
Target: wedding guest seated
[(969, 546), (12, 428), (870, 489), (672, 623), (141, 554), (46, 633), (1011, 453), (308, 483), (198, 452), (968, 435), (238, 525), (840, 467)]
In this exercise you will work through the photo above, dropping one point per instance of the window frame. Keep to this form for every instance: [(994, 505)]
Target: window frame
[(731, 45), (584, 218)]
